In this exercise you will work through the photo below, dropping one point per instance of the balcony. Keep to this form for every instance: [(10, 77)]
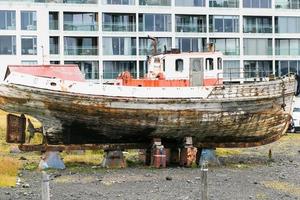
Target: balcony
[(190, 28), (232, 52), (122, 27), (66, 1), (71, 26), (79, 51)]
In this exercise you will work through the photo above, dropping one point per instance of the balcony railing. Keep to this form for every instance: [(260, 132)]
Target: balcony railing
[(54, 49), (70, 26), (53, 25), (88, 51), (131, 51), (57, 1), (231, 52), (155, 2), (128, 27), (287, 4), (190, 28), (287, 51), (224, 3), (257, 29)]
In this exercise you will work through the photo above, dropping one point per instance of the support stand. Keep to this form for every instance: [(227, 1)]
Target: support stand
[(158, 154), (114, 159), (188, 153), (51, 159)]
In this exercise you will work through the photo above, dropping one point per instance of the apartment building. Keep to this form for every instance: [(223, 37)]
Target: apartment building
[(106, 37)]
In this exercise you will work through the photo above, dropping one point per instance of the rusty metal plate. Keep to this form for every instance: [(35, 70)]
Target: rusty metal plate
[(16, 126)]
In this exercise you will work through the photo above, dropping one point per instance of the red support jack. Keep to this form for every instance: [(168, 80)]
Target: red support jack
[(158, 154), (188, 153)]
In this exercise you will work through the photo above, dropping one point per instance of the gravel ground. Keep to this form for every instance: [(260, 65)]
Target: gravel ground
[(247, 175)]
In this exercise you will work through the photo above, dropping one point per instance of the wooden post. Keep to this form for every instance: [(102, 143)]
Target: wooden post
[(45, 186), (204, 191)]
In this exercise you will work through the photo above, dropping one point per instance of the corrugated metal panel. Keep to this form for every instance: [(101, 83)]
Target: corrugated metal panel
[(64, 72)]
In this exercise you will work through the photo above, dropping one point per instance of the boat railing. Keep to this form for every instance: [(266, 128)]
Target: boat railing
[(234, 76)]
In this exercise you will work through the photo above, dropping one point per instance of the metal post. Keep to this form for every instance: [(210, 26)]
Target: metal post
[(204, 191), (45, 186)]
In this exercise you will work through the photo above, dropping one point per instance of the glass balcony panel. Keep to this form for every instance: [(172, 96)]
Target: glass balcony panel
[(155, 2), (224, 3), (71, 26), (190, 28), (287, 4), (118, 2), (190, 3), (122, 27), (81, 51)]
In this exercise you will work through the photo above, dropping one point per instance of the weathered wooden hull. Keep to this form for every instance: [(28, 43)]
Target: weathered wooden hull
[(232, 115)]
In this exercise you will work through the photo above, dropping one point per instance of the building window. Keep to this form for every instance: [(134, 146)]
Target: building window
[(118, 2), (29, 45), (257, 46), (224, 3), (223, 23), (54, 44), (191, 23), (7, 20), (146, 47), (209, 64), (81, 46), (191, 44), (287, 47), (28, 20), (118, 22), (89, 69), (155, 2), (287, 4), (231, 69), (257, 3), (219, 63), (179, 65), (54, 62), (80, 21), (53, 21), (257, 69), (112, 69), (190, 3), (287, 24), (229, 46), (155, 22), (7, 45), (119, 46), (29, 62), (284, 67), (257, 24)]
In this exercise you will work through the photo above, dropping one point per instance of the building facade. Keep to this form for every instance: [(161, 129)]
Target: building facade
[(106, 37)]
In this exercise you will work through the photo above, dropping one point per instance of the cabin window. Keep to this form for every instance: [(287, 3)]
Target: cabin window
[(209, 64), (164, 65), (179, 65), (219, 63)]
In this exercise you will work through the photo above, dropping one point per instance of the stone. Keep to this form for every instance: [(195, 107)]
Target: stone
[(26, 185), (168, 178), (114, 159)]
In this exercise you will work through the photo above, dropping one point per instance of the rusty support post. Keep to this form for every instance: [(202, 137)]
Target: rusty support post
[(158, 154), (188, 153)]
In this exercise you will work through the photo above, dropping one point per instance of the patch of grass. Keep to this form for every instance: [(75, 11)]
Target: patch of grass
[(8, 171), (31, 166), (261, 196), (221, 152), (285, 187)]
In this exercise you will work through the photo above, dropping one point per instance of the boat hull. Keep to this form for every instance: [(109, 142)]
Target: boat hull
[(231, 116)]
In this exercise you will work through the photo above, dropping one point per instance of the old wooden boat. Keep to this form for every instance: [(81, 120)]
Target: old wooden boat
[(182, 95)]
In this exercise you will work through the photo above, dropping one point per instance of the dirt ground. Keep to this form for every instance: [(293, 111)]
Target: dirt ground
[(243, 174)]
